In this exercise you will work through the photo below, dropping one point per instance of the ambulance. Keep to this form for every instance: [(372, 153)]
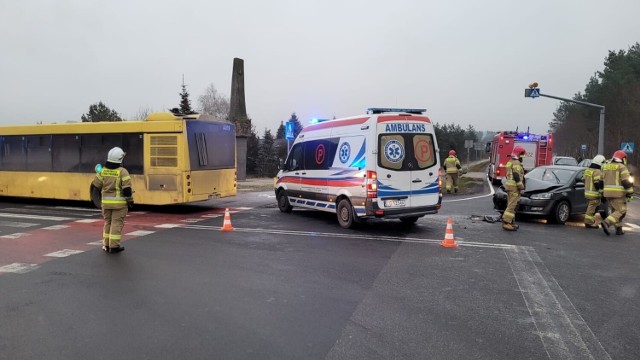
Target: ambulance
[(383, 165)]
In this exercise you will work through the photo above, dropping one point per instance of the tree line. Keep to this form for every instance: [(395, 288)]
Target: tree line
[(617, 87)]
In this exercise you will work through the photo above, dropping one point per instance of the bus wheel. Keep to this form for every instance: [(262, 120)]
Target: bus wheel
[(345, 214), (283, 202), (96, 197)]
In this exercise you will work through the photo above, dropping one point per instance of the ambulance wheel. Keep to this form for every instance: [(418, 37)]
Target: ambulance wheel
[(96, 197), (409, 220), (345, 214), (283, 202), (561, 212)]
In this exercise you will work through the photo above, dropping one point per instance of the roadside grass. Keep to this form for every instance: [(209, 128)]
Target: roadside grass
[(256, 184)]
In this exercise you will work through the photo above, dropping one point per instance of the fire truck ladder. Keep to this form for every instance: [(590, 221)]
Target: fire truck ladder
[(542, 154)]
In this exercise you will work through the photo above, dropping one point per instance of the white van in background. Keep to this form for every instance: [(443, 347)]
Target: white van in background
[(384, 164)]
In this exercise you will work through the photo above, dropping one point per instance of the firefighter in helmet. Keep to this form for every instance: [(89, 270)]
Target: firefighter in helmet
[(593, 190), (115, 184), (452, 168), (618, 189), (514, 186)]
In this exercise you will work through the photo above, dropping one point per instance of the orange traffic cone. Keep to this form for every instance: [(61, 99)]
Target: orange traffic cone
[(226, 226), (448, 241)]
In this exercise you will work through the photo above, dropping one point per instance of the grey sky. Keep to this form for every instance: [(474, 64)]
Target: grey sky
[(467, 62)]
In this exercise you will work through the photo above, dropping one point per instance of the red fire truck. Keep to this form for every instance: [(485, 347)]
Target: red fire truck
[(539, 151)]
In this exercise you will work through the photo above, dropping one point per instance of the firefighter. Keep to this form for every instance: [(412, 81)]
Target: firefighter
[(617, 190), (514, 186), (115, 183), (593, 190), (452, 167)]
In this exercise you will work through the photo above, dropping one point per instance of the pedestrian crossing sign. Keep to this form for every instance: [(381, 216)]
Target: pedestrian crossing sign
[(532, 93), (627, 147)]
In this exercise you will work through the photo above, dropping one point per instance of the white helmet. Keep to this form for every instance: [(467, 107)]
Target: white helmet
[(598, 159), (116, 155)]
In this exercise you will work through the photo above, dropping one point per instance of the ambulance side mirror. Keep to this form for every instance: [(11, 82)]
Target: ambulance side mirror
[(487, 148), (281, 165)]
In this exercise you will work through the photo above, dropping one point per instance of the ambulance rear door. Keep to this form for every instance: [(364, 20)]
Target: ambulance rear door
[(406, 163)]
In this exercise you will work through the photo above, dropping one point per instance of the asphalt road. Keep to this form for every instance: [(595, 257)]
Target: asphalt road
[(297, 286)]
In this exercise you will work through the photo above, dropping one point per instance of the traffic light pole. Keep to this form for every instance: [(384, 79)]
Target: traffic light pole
[(601, 127)]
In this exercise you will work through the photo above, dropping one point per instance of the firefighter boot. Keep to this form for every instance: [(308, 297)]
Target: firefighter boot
[(619, 231), (591, 226), (605, 227), (455, 190), (509, 227), (113, 250)]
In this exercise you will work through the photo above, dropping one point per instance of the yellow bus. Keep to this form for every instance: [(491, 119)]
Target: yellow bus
[(172, 159)]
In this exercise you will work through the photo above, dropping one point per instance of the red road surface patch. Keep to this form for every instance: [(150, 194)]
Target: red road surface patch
[(30, 247)]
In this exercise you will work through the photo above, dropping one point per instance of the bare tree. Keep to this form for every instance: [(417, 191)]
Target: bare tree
[(143, 112), (214, 103)]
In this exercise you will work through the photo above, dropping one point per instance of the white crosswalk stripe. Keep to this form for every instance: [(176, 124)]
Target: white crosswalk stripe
[(18, 268)]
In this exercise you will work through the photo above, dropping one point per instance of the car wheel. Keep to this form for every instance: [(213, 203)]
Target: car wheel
[(409, 220), (345, 214), (283, 202), (561, 212)]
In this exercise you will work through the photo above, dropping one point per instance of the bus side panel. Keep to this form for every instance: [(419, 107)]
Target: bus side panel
[(46, 185)]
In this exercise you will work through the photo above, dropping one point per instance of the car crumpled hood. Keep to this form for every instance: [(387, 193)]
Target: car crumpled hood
[(534, 186)]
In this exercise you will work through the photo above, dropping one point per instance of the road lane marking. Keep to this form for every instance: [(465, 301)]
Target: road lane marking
[(37, 217), (14, 236), (140, 233), (17, 224), (64, 253), (55, 227), (18, 268), (351, 236), (633, 225), (563, 331), (88, 220), (493, 191)]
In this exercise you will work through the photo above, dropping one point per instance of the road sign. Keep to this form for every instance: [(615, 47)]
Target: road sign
[(468, 144), (532, 93), (583, 147), (627, 147), (289, 130)]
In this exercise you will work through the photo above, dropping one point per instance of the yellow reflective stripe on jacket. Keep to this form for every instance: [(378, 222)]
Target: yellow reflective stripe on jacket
[(117, 199), (590, 177), (511, 167), (450, 164)]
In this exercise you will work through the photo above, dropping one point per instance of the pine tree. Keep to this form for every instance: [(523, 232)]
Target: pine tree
[(100, 112), (185, 102), (280, 133)]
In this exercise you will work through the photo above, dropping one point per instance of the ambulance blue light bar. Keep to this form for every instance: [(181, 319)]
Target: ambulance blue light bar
[(317, 121), (394, 110)]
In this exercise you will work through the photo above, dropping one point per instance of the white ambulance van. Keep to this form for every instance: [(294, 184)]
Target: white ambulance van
[(383, 164)]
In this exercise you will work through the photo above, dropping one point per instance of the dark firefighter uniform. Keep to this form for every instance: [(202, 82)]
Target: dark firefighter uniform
[(514, 185), (115, 182)]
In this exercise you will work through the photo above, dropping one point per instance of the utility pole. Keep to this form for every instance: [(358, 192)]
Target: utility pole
[(534, 91)]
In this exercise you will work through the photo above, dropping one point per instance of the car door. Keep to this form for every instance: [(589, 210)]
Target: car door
[(576, 194)]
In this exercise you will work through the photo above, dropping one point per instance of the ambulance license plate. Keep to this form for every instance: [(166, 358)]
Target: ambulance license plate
[(395, 203)]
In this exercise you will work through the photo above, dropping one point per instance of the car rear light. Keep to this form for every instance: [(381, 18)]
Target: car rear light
[(371, 182)]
